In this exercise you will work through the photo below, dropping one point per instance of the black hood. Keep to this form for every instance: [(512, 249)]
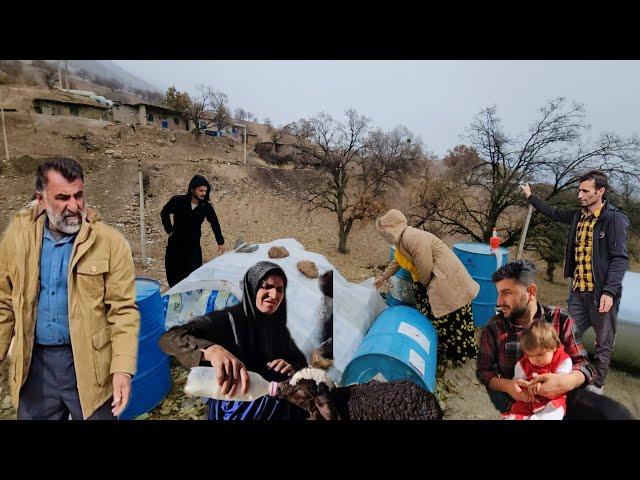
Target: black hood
[(199, 181)]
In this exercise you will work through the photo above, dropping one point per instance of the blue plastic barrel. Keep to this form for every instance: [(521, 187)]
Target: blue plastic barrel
[(480, 261), (152, 380), (401, 292), (400, 345)]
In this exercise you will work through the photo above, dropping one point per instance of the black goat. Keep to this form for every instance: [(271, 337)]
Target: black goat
[(311, 390)]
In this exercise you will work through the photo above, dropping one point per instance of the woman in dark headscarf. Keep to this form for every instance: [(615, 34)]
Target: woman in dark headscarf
[(250, 336)]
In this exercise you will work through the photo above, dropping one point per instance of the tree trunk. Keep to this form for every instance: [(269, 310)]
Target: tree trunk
[(342, 233), (342, 246), (551, 268)]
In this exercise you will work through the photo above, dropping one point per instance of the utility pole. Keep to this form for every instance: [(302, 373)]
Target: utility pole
[(4, 131), (142, 226), (245, 140)]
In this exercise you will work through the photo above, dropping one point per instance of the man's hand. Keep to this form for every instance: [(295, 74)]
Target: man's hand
[(519, 390), (606, 302), (221, 249), (534, 388), (229, 370), (379, 281), (281, 366), (121, 392), (553, 385), (526, 189)]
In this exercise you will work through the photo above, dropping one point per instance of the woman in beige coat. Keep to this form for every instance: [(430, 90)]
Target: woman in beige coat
[(442, 286)]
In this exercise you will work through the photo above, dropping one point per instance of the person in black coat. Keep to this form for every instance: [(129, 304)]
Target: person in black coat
[(250, 336), (184, 254)]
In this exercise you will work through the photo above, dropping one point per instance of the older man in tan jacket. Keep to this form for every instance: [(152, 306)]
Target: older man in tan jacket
[(67, 298), (442, 286)]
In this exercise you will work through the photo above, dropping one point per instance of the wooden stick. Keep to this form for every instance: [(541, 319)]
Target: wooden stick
[(142, 226), (524, 232), (4, 131)]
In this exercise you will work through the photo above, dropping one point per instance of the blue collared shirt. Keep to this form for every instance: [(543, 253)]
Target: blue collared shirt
[(52, 320)]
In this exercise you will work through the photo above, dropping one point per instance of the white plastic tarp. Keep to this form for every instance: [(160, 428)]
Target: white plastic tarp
[(627, 346), (355, 307)]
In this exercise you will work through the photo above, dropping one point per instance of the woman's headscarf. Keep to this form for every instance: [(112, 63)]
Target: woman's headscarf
[(265, 336), (391, 226), (251, 285)]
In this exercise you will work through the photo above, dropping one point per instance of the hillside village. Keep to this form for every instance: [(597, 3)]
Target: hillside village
[(113, 134)]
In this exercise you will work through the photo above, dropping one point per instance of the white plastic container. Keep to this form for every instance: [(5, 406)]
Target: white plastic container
[(202, 382)]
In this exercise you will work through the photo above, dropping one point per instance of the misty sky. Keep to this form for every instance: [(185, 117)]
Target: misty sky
[(435, 99)]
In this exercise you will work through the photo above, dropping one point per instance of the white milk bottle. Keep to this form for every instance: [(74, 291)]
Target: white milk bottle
[(202, 382)]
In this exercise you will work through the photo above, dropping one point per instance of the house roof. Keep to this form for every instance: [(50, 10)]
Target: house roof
[(159, 107), (70, 99)]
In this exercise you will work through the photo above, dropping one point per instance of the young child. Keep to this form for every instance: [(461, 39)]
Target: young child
[(543, 353)]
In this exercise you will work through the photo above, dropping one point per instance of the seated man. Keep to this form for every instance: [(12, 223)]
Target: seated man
[(500, 347)]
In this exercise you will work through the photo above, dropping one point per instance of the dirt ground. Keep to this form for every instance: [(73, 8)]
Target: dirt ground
[(255, 201)]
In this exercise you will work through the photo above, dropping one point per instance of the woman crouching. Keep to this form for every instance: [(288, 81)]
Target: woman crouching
[(250, 336), (442, 287)]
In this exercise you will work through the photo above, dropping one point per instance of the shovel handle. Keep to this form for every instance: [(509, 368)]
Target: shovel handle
[(523, 237)]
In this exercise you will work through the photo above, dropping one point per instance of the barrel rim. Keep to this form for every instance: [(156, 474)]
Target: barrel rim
[(395, 360), (147, 279), (457, 245)]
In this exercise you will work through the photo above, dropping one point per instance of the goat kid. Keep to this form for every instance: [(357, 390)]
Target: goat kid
[(311, 390)]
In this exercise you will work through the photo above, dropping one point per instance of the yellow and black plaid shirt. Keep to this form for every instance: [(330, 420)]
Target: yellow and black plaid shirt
[(583, 276)]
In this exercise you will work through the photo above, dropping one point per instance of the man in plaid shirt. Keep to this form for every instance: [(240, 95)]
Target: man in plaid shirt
[(500, 343), (597, 259)]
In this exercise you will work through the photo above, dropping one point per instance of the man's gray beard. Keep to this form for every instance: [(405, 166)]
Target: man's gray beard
[(62, 224)]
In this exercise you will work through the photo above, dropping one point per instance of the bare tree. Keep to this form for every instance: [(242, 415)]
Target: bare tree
[(389, 156), (267, 122), (335, 146), (462, 158), (222, 116), (476, 196), (83, 74), (208, 107), (356, 167), (240, 115), (548, 238)]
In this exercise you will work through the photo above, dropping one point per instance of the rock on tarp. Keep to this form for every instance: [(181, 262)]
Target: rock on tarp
[(355, 306)]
